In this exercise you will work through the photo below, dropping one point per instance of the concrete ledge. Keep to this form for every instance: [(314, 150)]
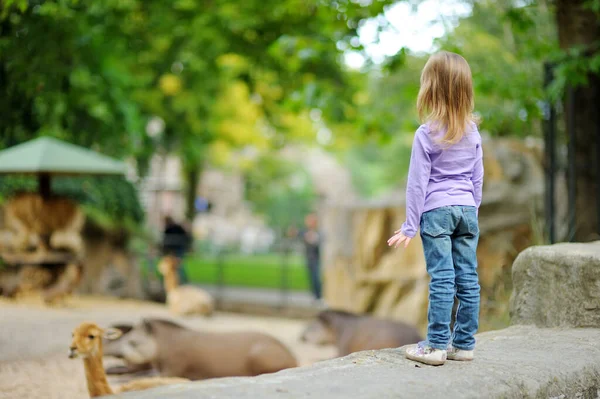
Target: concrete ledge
[(518, 362)]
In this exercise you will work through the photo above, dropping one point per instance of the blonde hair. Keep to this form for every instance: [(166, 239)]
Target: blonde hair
[(446, 95)]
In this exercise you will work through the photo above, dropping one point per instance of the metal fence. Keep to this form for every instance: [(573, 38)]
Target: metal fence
[(559, 135), (219, 262)]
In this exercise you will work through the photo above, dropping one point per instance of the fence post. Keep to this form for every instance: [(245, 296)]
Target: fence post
[(220, 276), (571, 167), (285, 272), (598, 157), (550, 156)]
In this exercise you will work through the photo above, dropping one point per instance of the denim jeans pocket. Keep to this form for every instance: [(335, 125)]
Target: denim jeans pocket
[(435, 222), (470, 213)]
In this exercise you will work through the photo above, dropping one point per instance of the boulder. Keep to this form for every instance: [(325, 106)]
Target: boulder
[(557, 286)]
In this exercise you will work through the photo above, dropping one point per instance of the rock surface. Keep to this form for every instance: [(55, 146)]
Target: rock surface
[(557, 286), (510, 363)]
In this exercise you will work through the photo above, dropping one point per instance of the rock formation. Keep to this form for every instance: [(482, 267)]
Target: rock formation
[(557, 286)]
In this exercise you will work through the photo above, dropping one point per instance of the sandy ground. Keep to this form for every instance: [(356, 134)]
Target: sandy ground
[(34, 340)]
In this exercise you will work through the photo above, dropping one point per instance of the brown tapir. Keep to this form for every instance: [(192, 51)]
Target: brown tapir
[(176, 351), (114, 348), (351, 332)]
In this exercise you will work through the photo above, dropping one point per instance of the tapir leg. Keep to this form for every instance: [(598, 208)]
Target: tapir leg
[(129, 369), (267, 358)]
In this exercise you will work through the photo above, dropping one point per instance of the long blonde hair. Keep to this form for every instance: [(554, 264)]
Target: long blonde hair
[(446, 95)]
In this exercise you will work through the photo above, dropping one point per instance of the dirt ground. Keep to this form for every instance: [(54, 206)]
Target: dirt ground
[(34, 340)]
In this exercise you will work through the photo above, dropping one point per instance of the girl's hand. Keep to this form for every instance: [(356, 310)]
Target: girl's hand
[(398, 238)]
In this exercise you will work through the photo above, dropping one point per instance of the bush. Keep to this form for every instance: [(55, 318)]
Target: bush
[(110, 201)]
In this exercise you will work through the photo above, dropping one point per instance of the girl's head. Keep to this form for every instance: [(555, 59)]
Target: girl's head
[(446, 95)]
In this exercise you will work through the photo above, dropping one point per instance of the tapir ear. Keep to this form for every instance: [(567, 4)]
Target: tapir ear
[(112, 333), (324, 316), (124, 328), (147, 326)]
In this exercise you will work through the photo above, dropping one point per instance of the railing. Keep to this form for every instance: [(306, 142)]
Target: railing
[(278, 275), (556, 132)]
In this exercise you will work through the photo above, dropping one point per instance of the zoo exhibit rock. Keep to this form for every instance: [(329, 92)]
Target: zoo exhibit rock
[(510, 363), (557, 286), (362, 273)]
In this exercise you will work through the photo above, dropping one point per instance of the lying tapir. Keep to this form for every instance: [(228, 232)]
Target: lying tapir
[(176, 351), (351, 332), (114, 348)]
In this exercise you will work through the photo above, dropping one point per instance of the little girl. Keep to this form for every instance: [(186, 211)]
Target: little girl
[(443, 195)]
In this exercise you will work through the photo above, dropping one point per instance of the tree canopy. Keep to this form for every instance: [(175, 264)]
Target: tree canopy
[(95, 73), (506, 47), (204, 79)]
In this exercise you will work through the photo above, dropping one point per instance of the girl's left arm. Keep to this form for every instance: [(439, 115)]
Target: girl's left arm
[(477, 177)]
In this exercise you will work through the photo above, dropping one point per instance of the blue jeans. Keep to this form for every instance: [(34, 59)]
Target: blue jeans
[(450, 235), (314, 276), (179, 253)]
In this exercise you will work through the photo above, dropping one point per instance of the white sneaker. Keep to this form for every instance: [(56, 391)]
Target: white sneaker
[(424, 353), (459, 354)]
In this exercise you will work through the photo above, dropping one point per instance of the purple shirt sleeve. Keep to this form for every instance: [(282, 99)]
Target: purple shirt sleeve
[(477, 177), (418, 178)]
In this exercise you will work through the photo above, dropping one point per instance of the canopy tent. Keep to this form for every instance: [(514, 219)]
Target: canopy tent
[(47, 156)]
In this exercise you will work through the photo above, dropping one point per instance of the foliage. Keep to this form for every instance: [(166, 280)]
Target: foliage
[(94, 73), (64, 72), (572, 67), (573, 64), (505, 47), (375, 168), (227, 76), (110, 201), (279, 190), (174, 59)]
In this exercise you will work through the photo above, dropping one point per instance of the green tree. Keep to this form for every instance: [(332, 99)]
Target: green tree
[(505, 47), (65, 71), (284, 53), (280, 190), (577, 66), (94, 73)]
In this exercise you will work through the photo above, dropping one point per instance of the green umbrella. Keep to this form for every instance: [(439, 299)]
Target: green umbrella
[(47, 156)]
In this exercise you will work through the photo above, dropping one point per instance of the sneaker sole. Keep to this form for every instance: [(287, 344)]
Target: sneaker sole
[(425, 361), (460, 359), (461, 356)]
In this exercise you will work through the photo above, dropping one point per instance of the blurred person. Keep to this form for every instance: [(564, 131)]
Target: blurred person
[(176, 242), (443, 196), (292, 232), (312, 239)]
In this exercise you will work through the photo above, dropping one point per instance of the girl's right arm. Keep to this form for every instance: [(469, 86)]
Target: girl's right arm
[(418, 177)]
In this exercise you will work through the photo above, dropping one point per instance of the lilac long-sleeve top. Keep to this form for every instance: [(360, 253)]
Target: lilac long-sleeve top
[(441, 175)]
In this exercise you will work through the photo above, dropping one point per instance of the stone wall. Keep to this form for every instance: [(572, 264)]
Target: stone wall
[(363, 274)]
